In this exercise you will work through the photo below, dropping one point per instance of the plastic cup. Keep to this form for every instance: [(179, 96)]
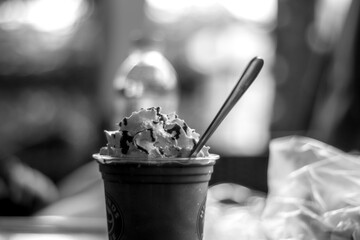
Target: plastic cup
[(156, 199)]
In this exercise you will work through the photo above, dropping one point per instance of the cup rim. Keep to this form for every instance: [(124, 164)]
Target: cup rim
[(105, 159)]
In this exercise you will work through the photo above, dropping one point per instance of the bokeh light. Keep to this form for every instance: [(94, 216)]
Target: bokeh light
[(42, 15)]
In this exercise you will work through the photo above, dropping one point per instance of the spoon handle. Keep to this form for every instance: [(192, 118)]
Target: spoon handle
[(248, 76)]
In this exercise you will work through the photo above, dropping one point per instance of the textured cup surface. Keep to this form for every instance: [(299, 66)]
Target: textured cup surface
[(156, 199)]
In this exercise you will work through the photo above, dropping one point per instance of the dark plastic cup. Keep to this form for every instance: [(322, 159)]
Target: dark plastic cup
[(157, 199)]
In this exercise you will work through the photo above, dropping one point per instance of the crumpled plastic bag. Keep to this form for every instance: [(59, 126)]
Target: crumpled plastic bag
[(314, 194), (314, 191)]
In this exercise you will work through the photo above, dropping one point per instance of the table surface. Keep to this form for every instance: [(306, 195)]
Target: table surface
[(52, 227)]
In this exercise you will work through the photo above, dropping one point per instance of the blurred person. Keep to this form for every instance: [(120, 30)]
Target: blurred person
[(337, 105), (23, 189), (317, 76), (49, 118), (44, 136), (56, 69)]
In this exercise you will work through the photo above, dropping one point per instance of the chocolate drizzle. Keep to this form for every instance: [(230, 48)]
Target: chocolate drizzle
[(125, 121), (124, 142), (176, 128), (142, 149), (152, 134), (160, 115), (185, 127), (114, 137), (161, 150)]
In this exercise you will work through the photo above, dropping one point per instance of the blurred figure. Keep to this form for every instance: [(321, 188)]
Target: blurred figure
[(316, 69), (336, 111), (49, 123), (23, 189)]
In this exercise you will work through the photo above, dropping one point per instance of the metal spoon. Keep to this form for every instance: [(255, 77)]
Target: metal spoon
[(249, 75)]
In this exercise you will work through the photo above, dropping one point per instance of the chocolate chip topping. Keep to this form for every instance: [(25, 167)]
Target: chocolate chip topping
[(142, 149), (176, 128), (124, 140), (185, 127), (125, 121), (152, 134)]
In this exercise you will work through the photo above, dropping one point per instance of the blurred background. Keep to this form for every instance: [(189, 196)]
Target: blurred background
[(58, 61)]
